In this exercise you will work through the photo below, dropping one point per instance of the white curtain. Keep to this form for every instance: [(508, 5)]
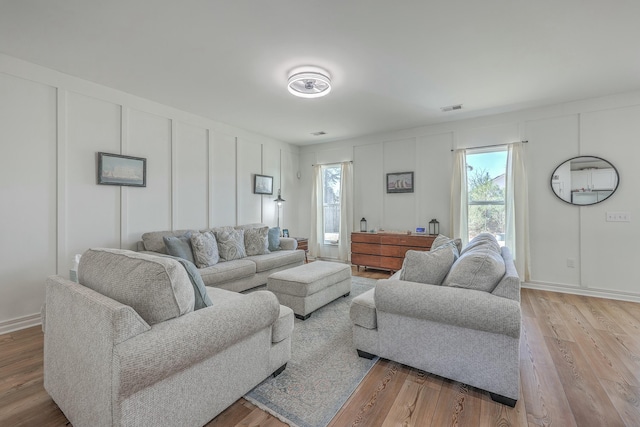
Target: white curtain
[(346, 210), (316, 236), (459, 198), (517, 209)]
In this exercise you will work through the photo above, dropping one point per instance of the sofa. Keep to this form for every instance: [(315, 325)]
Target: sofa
[(239, 274), (454, 313), (127, 347)]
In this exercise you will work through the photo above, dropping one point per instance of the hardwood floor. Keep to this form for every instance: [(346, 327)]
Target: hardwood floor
[(579, 366)]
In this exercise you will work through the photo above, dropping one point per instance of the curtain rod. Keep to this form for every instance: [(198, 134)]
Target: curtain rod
[(493, 145), (332, 163)]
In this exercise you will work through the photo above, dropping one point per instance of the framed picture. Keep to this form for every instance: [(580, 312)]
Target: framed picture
[(262, 184), (115, 169), (400, 182), (285, 232)]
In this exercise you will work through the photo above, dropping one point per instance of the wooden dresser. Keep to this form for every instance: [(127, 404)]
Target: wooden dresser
[(385, 251)]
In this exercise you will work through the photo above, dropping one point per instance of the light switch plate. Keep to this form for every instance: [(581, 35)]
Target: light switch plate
[(618, 217)]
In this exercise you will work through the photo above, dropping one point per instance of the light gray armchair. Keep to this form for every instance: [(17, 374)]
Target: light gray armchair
[(152, 360)]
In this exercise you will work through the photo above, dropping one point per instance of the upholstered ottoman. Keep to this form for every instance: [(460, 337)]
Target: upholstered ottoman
[(310, 286)]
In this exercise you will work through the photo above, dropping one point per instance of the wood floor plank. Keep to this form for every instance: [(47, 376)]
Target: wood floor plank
[(623, 318), (370, 403), (603, 360), (589, 402), (626, 399), (591, 309), (458, 405), (548, 319), (545, 406), (416, 401), (626, 349)]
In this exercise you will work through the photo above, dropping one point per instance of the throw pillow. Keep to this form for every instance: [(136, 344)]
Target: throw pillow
[(231, 244), (274, 239), (480, 268), (202, 299), (205, 249), (445, 242), (256, 241), (484, 240), (442, 240), (179, 246), (427, 267)]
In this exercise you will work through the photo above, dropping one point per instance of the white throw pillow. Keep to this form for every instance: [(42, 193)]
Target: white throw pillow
[(427, 267)]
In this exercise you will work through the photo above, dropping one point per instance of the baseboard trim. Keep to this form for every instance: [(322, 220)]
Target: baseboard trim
[(13, 325), (588, 292)]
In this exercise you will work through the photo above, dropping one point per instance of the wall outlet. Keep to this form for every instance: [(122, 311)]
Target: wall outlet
[(618, 217), (571, 262)]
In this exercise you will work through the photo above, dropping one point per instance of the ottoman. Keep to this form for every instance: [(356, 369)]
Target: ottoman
[(310, 286)]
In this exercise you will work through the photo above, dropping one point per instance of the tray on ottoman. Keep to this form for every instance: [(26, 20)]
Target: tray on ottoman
[(310, 286)]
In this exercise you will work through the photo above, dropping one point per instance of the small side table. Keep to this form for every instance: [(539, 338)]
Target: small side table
[(303, 245)]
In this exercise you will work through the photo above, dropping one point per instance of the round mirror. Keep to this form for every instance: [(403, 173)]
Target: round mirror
[(584, 180)]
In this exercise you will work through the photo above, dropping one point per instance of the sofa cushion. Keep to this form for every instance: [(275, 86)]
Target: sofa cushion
[(276, 259), (179, 246), (202, 299), (157, 288), (427, 267), (205, 249), (480, 268), (485, 240), (274, 239), (256, 241), (231, 244), (225, 271), (153, 241)]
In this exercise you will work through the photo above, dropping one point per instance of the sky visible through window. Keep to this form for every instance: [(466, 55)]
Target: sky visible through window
[(494, 162)]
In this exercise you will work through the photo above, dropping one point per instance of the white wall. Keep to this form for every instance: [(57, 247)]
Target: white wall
[(199, 174), (602, 252)]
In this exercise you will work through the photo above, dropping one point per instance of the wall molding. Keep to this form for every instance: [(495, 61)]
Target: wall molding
[(587, 292), (19, 323)]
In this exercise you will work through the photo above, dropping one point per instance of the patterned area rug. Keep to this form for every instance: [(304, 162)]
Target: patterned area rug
[(324, 368)]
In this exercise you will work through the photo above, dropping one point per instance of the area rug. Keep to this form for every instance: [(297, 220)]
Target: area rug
[(324, 368)]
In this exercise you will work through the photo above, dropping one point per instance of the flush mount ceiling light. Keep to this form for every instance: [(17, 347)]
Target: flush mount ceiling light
[(309, 82)]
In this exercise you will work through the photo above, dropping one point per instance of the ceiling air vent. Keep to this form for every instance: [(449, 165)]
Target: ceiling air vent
[(318, 133), (452, 108)]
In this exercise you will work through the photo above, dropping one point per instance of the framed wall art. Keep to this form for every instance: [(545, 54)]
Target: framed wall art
[(263, 184), (400, 182), (116, 169)]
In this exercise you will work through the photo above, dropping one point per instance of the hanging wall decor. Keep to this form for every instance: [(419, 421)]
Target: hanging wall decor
[(400, 182), (115, 169)]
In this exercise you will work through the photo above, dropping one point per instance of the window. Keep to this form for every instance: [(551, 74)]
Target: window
[(486, 176), (331, 203)]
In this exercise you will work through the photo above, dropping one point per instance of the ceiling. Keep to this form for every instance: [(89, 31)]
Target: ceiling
[(393, 64)]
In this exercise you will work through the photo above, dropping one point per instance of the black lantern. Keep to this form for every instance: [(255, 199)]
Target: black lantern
[(363, 225), (434, 226)]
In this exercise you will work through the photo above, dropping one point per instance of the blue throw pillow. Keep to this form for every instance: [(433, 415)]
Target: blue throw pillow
[(179, 246), (199, 289), (274, 239)]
